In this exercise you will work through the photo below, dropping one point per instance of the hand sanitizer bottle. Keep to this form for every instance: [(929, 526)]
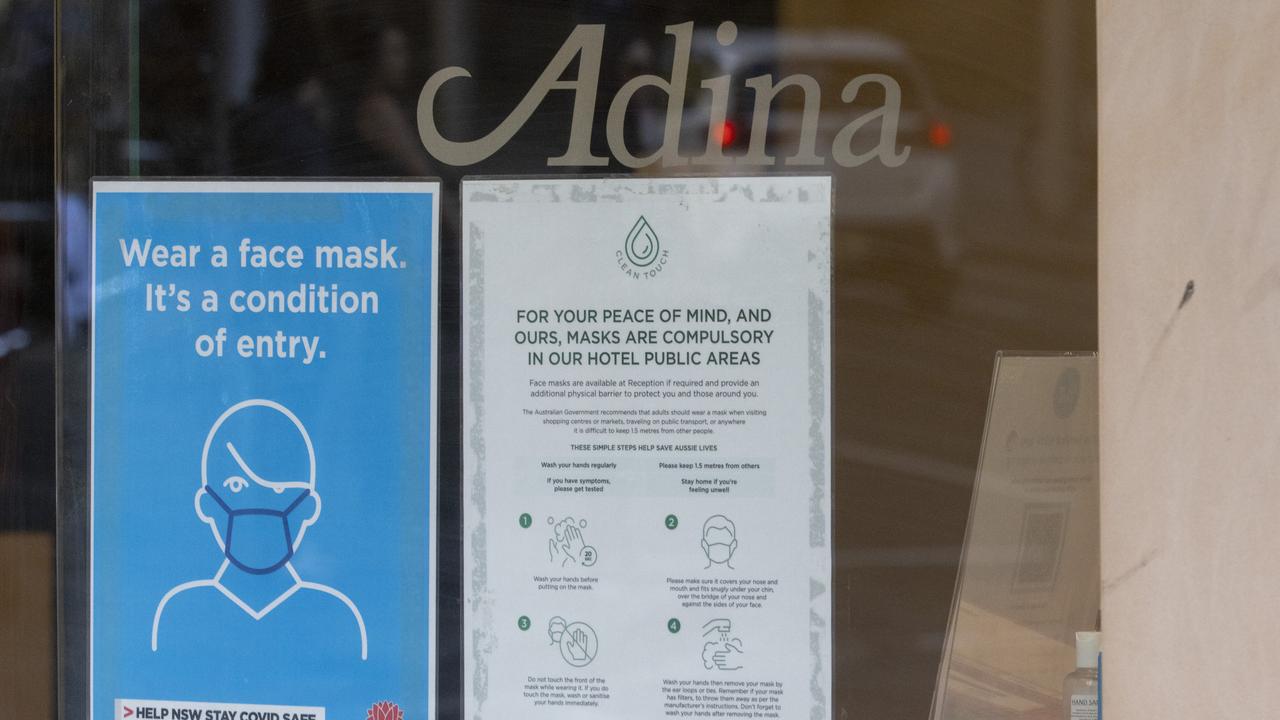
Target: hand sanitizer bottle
[(1080, 688)]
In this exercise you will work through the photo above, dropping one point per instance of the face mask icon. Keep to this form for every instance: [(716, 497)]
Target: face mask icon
[(719, 553), (257, 494), (719, 540), (267, 539)]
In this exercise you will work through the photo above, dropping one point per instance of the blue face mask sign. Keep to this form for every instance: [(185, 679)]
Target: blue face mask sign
[(263, 449)]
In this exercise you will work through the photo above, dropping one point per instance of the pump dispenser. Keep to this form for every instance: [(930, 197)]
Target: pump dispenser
[(1080, 688)]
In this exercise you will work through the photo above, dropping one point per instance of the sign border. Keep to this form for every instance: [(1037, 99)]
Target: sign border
[(432, 186)]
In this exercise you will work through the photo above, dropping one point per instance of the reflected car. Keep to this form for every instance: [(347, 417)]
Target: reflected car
[(904, 213)]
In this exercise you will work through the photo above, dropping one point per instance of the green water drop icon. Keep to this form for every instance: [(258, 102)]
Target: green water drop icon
[(642, 245)]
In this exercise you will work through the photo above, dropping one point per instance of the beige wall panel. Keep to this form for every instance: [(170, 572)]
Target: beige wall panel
[(1190, 157)]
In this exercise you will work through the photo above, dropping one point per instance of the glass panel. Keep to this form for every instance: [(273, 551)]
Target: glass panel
[(28, 293), (980, 237)]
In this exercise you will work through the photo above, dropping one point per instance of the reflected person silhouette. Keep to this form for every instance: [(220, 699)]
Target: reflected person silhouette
[(381, 137), (285, 129)]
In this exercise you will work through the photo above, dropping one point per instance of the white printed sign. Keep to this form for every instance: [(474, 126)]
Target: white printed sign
[(646, 461)]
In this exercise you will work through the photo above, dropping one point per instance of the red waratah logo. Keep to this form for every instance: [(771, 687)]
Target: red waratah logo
[(385, 711)]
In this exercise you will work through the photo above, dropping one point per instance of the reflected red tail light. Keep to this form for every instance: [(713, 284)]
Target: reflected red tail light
[(939, 135), (727, 133)]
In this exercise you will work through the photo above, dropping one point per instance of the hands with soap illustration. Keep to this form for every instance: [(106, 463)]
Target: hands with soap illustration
[(567, 545), (721, 651)]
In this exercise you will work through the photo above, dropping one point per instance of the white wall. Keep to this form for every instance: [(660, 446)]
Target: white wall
[(1190, 191)]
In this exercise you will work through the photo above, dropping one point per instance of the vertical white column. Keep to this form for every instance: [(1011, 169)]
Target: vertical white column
[(1190, 425)]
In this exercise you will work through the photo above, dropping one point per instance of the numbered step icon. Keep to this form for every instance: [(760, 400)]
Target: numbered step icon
[(577, 641)]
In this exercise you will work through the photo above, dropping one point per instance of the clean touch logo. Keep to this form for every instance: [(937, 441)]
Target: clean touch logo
[(642, 244), (642, 254)]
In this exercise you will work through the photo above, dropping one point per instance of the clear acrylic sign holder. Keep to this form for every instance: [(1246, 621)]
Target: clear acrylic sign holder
[(1029, 568)]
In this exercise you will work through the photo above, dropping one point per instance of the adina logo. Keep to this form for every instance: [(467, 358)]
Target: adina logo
[(385, 711), (642, 255)]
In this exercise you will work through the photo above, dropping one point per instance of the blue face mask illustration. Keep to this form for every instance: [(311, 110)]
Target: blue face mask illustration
[(266, 546)]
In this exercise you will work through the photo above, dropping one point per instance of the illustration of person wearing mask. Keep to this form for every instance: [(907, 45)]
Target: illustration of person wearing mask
[(719, 541), (258, 496)]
